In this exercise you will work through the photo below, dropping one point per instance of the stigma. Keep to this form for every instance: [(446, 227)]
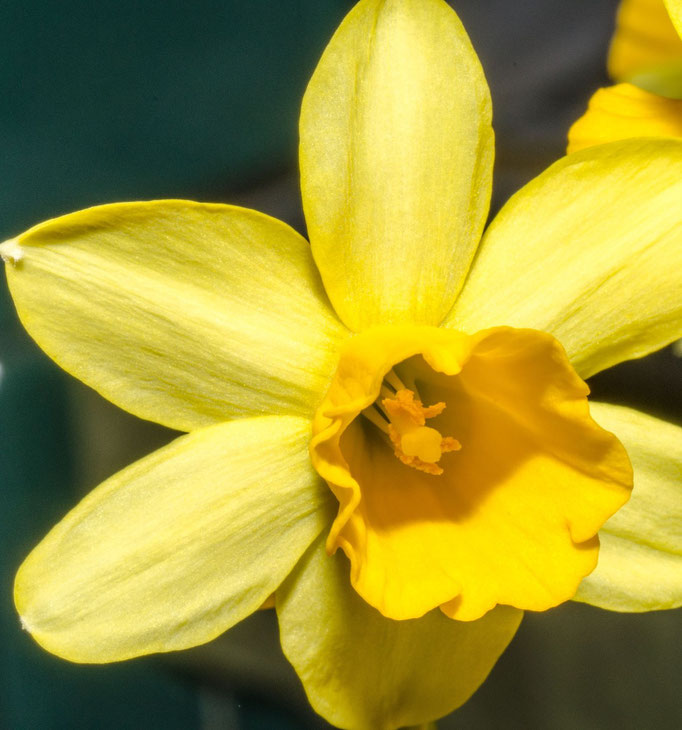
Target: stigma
[(402, 416)]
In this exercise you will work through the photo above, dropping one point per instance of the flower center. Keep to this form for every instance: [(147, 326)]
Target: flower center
[(514, 516), (401, 415)]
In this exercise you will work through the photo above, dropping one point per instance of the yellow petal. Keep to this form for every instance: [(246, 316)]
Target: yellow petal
[(674, 8), (591, 252), (365, 672), (178, 547), (623, 111), (182, 313), (640, 561), (396, 161), (645, 37), (508, 519)]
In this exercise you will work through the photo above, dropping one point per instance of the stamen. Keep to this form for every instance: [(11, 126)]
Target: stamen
[(410, 384), (386, 393), (380, 407), (399, 413), (415, 444), (394, 381), (373, 415)]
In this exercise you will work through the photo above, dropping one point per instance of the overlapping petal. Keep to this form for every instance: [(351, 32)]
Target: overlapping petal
[(624, 111), (590, 251), (674, 8), (645, 37), (640, 560), (182, 313), (396, 161), (178, 547), (665, 81), (365, 672)]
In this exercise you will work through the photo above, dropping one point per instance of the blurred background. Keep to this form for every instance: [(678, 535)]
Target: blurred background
[(104, 101)]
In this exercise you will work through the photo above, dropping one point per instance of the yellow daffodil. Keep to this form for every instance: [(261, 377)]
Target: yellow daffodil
[(394, 388), (646, 58)]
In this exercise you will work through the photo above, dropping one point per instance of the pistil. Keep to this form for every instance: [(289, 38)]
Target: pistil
[(399, 413)]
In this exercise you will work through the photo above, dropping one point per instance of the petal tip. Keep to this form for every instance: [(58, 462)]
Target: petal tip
[(11, 252)]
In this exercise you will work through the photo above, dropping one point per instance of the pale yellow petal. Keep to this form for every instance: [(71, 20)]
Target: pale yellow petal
[(178, 547), (591, 252), (396, 161), (365, 672), (182, 313), (624, 111), (645, 37), (640, 560)]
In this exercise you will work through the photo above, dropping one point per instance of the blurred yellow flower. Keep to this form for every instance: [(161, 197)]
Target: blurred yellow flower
[(646, 58), (399, 388)]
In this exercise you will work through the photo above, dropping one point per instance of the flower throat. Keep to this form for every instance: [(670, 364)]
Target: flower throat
[(401, 415)]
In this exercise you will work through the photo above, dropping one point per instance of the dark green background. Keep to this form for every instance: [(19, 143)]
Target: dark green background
[(104, 101)]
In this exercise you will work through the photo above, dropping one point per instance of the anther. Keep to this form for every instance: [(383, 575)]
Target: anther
[(415, 444)]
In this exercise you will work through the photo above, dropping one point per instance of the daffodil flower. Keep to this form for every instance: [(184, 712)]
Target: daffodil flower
[(646, 59), (395, 388)]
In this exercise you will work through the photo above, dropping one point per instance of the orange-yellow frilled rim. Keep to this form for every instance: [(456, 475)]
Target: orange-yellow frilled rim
[(513, 479)]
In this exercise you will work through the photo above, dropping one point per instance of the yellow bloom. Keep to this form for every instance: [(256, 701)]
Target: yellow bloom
[(646, 38), (646, 58), (432, 381)]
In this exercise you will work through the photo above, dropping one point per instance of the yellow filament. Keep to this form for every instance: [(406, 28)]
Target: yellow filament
[(372, 414), (394, 381)]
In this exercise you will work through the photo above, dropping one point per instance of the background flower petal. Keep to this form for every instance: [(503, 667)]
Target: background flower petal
[(178, 547), (623, 111), (591, 252), (182, 313), (366, 672), (396, 161), (645, 37), (640, 560)]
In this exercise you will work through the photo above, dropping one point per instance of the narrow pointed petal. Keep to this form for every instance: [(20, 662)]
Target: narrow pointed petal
[(365, 672), (396, 161), (182, 313), (591, 252), (645, 38), (640, 559), (178, 547), (624, 111)]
